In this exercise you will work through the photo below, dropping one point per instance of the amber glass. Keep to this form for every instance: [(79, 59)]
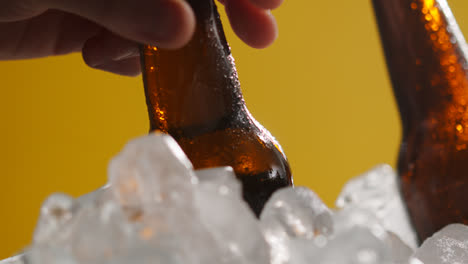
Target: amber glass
[(194, 95), (427, 60)]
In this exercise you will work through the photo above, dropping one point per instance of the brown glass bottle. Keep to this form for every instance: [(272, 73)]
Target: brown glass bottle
[(194, 95), (427, 60)]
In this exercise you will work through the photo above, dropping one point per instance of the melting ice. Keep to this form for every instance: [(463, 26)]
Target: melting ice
[(156, 209)]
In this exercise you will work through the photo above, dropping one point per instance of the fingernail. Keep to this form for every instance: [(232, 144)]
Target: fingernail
[(129, 53), (120, 55)]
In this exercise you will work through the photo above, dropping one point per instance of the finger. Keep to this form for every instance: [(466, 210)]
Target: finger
[(108, 48), (72, 33), (255, 26), (16, 10), (127, 67), (266, 4), (165, 23), (51, 33)]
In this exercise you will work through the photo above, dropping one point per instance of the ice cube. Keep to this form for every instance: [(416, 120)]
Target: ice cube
[(414, 261), (56, 212), (293, 213), (90, 230), (400, 251), (278, 240), (348, 218), (377, 192), (102, 193), (171, 235), (449, 245), (230, 222), (98, 229), (354, 246), (48, 254), (18, 259), (299, 211), (222, 177), (150, 170)]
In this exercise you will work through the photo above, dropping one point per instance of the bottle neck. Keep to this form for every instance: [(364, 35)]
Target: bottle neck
[(194, 88), (427, 60)]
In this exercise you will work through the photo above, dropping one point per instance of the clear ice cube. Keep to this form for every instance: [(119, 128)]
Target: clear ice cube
[(299, 211), (354, 246), (229, 220), (377, 191), (222, 177), (293, 213), (56, 213), (151, 170), (98, 230), (449, 245), (350, 218), (400, 251), (48, 254), (18, 259)]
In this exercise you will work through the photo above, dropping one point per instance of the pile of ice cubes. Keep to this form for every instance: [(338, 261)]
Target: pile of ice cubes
[(156, 209)]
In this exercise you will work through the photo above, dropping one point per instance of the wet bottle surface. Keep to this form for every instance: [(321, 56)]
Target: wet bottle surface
[(194, 95), (427, 60)]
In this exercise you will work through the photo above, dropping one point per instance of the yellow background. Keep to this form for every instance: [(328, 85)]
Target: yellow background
[(321, 89)]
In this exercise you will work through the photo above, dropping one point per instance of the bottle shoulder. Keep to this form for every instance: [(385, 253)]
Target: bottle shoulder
[(247, 150)]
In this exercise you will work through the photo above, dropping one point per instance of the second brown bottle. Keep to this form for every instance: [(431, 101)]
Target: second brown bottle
[(427, 58)]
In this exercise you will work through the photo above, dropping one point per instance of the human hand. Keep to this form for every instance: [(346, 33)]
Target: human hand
[(107, 32)]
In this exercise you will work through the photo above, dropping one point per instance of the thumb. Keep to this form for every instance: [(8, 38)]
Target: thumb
[(166, 23)]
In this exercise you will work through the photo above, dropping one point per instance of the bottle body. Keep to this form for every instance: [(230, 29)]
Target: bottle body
[(427, 61), (194, 95)]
